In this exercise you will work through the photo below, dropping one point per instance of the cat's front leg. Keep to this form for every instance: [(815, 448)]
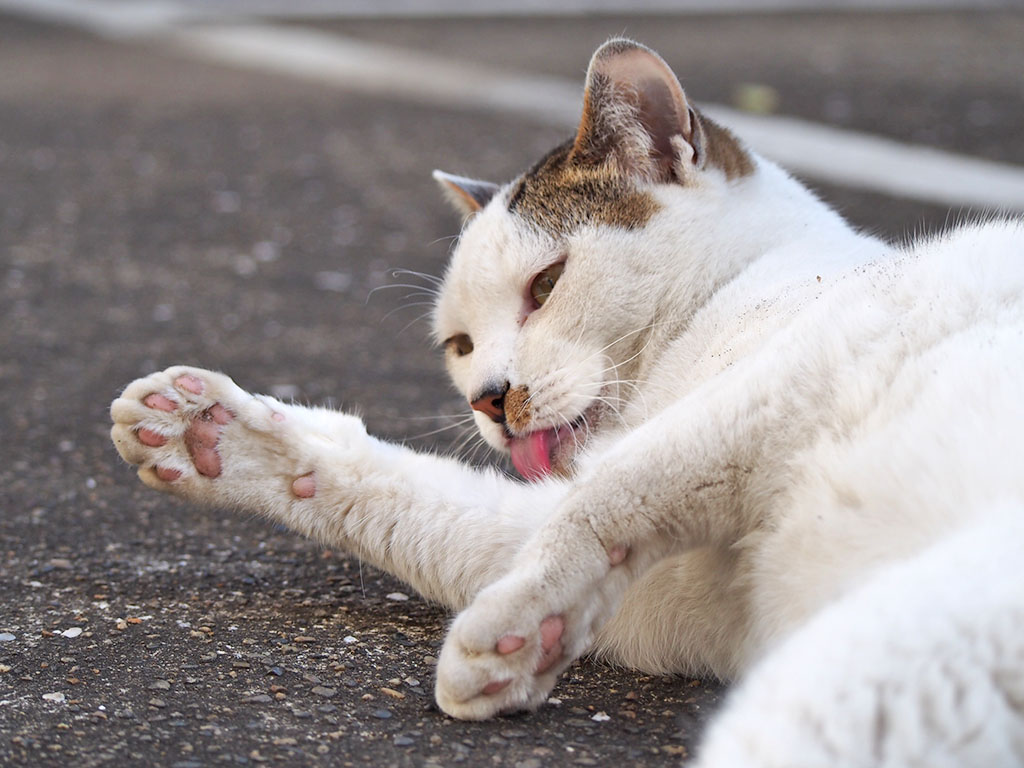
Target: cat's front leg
[(444, 528), (506, 651)]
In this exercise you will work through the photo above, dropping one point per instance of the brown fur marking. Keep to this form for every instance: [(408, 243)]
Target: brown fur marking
[(560, 195), (568, 188), (724, 151), (517, 407)]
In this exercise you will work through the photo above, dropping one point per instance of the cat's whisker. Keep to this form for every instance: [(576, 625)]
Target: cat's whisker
[(638, 392), (418, 318), (470, 438), (631, 358), (610, 403), (410, 304), (625, 336), (404, 306), (479, 444), (461, 416), (434, 279), (439, 430), (424, 290)]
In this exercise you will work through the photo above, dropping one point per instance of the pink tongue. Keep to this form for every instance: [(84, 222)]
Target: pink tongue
[(531, 454)]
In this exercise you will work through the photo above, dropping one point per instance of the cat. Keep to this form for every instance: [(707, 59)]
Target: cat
[(760, 445)]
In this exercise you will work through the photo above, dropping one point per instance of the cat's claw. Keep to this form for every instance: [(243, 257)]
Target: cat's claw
[(185, 428)]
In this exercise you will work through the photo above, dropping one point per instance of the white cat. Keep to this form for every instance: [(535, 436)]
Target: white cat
[(761, 444)]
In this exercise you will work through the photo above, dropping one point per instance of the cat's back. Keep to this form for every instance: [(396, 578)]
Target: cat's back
[(984, 262), (859, 313)]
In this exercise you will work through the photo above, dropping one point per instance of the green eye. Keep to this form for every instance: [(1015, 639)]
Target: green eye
[(460, 344), (544, 283)]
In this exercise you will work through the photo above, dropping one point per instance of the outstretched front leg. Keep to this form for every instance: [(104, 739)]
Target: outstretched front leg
[(444, 528), (679, 482)]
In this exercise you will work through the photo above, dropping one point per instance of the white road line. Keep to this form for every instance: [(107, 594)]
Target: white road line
[(820, 152), (878, 164), (379, 69), (503, 8), (110, 18)]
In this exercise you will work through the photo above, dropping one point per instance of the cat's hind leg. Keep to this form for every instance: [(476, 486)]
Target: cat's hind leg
[(921, 667)]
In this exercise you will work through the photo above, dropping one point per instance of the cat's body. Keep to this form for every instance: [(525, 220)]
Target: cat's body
[(761, 441)]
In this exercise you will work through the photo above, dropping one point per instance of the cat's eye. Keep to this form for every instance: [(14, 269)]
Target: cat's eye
[(460, 344), (544, 283)]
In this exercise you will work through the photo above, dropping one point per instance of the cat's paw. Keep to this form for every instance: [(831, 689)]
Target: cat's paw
[(506, 651), (503, 653), (197, 434)]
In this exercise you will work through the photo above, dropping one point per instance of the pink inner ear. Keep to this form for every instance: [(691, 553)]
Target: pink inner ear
[(635, 75), (655, 84)]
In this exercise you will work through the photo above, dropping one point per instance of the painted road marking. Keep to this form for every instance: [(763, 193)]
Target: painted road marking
[(843, 157)]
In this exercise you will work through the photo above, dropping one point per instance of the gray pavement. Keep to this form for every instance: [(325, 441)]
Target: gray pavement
[(156, 210)]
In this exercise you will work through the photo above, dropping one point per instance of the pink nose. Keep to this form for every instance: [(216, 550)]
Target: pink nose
[(491, 403)]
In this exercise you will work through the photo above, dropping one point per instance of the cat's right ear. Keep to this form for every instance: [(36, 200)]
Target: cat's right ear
[(636, 117), (468, 196)]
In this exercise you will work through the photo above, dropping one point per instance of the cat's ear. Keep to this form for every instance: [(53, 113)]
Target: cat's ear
[(468, 196), (636, 116)]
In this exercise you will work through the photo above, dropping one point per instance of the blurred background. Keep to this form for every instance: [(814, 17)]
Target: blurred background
[(228, 184)]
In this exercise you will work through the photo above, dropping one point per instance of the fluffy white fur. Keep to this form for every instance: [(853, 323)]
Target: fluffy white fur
[(808, 441)]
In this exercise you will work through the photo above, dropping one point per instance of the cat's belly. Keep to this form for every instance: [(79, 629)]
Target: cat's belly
[(687, 615)]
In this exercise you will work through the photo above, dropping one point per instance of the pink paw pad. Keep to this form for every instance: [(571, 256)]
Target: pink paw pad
[(551, 631), (495, 686), (510, 644), (167, 475), (151, 438), (305, 486), (190, 384), (202, 436), (159, 403), (616, 555), (218, 414)]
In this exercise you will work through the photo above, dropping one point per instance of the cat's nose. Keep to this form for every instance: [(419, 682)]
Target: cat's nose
[(492, 403)]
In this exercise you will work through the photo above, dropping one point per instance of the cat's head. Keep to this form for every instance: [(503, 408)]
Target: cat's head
[(567, 279)]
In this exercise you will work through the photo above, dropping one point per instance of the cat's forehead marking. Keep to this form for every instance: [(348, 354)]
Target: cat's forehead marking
[(560, 196)]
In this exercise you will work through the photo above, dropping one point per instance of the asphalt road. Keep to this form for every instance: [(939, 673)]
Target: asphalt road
[(157, 210)]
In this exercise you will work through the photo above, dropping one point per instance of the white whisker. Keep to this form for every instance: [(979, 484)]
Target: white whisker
[(437, 431)]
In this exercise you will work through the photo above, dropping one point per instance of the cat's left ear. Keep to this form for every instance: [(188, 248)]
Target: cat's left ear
[(636, 116), (468, 196)]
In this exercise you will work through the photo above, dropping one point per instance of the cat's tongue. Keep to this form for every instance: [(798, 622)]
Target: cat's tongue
[(531, 454)]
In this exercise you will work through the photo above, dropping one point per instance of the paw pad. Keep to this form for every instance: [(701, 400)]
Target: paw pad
[(304, 487), (551, 631), (190, 383), (151, 438), (616, 555), (497, 685), (510, 644), (167, 475), (159, 403)]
